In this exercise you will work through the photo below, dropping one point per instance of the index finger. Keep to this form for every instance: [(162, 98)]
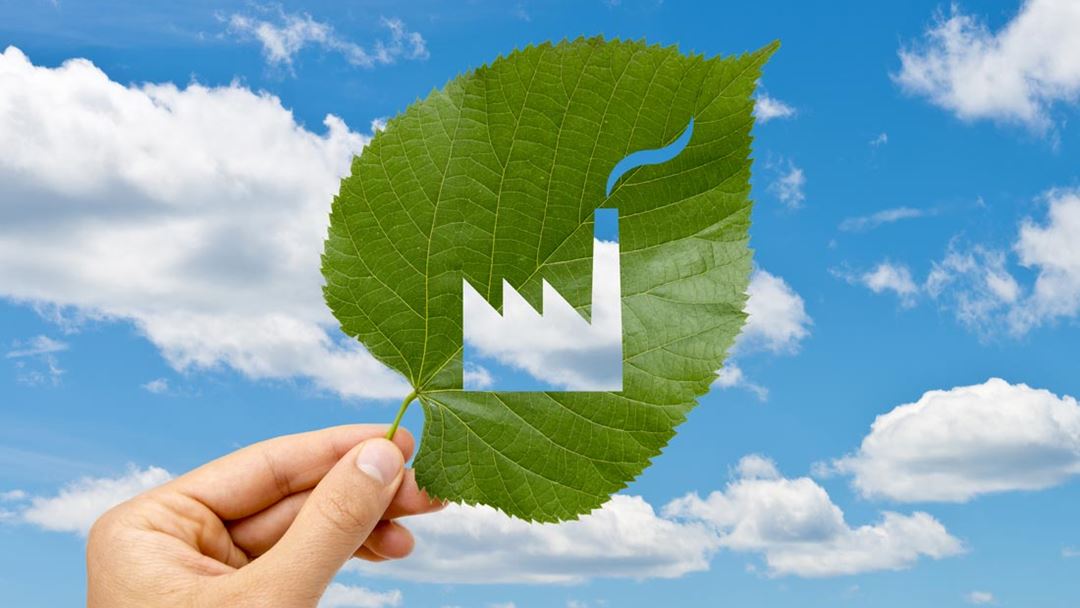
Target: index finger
[(253, 478)]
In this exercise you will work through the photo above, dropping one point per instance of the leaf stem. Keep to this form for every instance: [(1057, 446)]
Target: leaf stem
[(401, 412)]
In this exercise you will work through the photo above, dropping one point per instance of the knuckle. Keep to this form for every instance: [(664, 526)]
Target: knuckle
[(346, 513)]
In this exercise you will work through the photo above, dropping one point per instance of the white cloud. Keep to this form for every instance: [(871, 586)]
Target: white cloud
[(79, 504), (864, 223), (339, 595), (891, 277), (625, 538), (157, 386), (732, 376), (776, 316), (1070, 552), (756, 466), (777, 322), (953, 445), (975, 283), (1015, 74), (767, 108), (403, 42), (1052, 249), (198, 214), (476, 377), (289, 33), (36, 346), (12, 496), (559, 346), (36, 362), (880, 140), (799, 531), (790, 185), (791, 522), (979, 597)]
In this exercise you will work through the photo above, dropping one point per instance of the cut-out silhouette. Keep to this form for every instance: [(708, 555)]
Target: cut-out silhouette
[(559, 350)]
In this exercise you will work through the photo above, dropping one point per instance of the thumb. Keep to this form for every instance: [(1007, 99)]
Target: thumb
[(334, 521)]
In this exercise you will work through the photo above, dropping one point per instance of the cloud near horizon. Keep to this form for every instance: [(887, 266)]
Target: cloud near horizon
[(792, 524)]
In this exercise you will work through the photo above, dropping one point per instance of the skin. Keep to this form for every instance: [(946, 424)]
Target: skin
[(269, 525)]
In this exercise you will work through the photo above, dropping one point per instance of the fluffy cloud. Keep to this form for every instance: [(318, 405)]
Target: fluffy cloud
[(79, 504), (952, 445), (885, 277), (339, 595), (767, 108), (865, 223), (283, 37), (198, 214), (979, 597), (799, 531), (776, 316), (792, 523), (558, 346), (1052, 249), (1014, 74), (890, 277), (625, 538), (777, 322), (756, 466), (476, 377)]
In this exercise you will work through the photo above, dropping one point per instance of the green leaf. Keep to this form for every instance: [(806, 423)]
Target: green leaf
[(496, 177)]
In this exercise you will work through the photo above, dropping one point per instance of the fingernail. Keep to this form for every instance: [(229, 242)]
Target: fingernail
[(380, 460)]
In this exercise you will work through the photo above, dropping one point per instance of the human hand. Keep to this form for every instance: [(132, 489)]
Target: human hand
[(269, 525)]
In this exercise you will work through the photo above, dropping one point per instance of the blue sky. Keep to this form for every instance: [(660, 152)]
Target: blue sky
[(916, 220)]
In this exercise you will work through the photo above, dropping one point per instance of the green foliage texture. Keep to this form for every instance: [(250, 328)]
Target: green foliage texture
[(496, 176)]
